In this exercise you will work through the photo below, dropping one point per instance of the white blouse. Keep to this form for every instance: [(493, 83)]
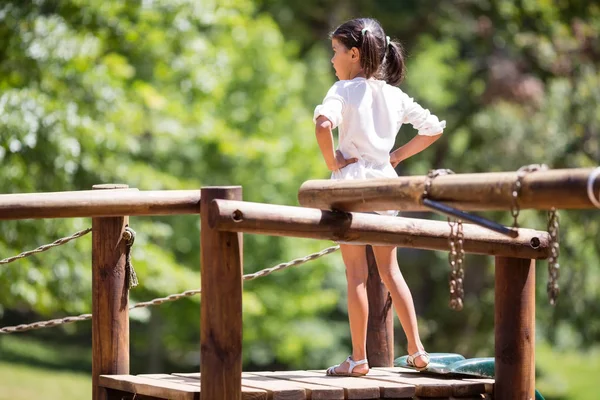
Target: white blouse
[(368, 114)]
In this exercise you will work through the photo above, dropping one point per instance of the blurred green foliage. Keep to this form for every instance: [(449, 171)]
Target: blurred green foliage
[(181, 94), (160, 95)]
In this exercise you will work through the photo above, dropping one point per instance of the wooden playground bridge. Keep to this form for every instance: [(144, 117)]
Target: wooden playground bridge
[(224, 217)]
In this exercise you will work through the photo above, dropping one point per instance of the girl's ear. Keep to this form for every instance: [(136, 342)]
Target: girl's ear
[(354, 54)]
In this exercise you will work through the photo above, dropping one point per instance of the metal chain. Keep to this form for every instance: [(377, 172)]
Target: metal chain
[(434, 173), (456, 256), (516, 189), (47, 246), (173, 297), (552, 287)]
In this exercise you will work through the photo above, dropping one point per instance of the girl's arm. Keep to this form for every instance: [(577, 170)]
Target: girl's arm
[(334, 160), (414, 146)]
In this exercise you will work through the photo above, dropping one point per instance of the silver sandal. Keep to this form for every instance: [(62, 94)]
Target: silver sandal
[(410, 360), (332, 372)]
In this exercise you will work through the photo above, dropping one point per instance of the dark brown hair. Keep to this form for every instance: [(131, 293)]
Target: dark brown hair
[(378, 58)]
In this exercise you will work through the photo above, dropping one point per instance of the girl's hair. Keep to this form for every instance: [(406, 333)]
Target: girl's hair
[(380, 57)]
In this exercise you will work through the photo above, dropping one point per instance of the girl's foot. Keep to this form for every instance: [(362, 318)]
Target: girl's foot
[(419, 360), (349, 368)]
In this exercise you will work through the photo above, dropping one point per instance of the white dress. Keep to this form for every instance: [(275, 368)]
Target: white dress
[(368, 114)]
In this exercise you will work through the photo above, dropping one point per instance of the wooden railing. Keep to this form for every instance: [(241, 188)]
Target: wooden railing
[(224, 216), (110, 207)]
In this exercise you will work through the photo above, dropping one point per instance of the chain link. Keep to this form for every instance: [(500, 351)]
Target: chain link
[(552, 287), (456, 256), (517, 186), (173, 297), (46, 247)]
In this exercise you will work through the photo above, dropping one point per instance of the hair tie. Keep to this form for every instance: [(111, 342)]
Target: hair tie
[(387, 40), (364, 30)]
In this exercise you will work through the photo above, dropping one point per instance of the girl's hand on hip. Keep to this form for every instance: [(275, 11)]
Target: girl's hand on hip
[(341, 162), (394, 160)]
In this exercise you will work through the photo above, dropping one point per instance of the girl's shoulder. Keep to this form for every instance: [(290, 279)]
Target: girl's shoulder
[(398, 93), (355, 88), (350, 83)]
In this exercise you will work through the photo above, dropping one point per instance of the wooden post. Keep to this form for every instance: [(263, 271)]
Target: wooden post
[(380, 329), (515, 329), (221, 305), (110, 298)]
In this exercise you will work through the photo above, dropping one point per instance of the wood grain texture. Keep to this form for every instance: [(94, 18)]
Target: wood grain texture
[(514, 327), (314, 391), (361, 228), (91, 203), (429, 385), (110, 299), (114, 394), (148, 386), (389, 383), (380, 328), (542, 190), (278, 389), (221, 306), (248, 393), (356, 388)]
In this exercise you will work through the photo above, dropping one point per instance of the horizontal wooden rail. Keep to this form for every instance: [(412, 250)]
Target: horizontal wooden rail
[(542, 190), (359, 228), (98, 203)]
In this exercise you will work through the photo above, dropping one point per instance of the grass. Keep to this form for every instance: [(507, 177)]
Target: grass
[(27, 382), (563, 375)]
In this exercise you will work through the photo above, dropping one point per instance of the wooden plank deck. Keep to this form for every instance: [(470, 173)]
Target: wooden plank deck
[(380, 383)]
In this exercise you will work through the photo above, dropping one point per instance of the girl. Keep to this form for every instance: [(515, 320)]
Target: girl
[(368, 110)]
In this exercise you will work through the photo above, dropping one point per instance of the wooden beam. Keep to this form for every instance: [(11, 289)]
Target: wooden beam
[(221, 306), (542, 190), (90, 203), (110, 298), (380, 328), (514, 326), (360, 228)]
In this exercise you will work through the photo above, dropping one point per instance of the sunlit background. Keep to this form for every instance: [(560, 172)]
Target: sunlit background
[(179, 94)]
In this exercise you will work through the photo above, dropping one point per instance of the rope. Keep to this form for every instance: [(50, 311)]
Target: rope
[(47, 246), (173, 297), (45, 324), (590, 187), (297, 261), (129, 236)]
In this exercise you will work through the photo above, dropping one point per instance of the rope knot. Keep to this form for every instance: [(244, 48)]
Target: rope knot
[(129, 237)]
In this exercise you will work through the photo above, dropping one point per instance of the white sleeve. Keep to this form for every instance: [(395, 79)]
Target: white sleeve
[(333, 106), (421, 119)]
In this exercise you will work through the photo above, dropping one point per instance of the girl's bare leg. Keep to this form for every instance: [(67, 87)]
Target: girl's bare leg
[(357, 272), (387, 264)]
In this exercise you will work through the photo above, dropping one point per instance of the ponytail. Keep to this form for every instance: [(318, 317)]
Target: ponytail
[(370, 50), (393, 68)]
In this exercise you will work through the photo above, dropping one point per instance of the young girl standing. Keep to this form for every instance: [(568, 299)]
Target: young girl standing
[(368, 110)]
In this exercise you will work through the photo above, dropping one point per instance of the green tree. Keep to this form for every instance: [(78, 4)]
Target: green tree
[(160, 95)]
